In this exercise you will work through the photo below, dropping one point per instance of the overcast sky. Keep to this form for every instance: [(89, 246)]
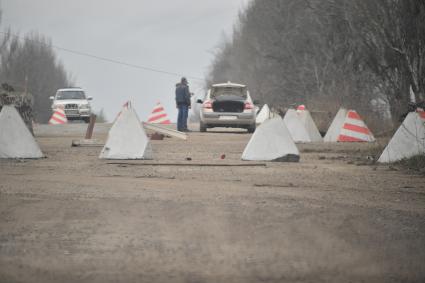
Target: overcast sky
[(178, 36)]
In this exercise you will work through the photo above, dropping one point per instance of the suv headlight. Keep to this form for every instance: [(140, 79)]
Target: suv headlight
[(84, 106)]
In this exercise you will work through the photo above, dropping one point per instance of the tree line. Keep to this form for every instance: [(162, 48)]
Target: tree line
[(29, 64), (329, 53)]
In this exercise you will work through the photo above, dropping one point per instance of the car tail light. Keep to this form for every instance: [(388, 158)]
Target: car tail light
[(248, 105), (207, 105)]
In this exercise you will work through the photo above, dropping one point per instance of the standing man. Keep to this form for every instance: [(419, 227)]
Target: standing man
[(182, 104)]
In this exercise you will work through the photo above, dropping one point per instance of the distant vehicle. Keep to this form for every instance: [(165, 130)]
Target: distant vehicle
[(74, 102), (227, 105)]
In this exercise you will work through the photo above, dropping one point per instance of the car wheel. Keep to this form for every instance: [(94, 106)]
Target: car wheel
[(86, 120), (202, 127), (251, 129)]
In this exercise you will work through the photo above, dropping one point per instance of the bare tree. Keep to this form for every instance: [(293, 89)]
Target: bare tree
[(328, 53), (31, 65)]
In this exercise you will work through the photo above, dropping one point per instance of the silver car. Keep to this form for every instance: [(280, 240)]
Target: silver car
[(74, 102), (227, 105)]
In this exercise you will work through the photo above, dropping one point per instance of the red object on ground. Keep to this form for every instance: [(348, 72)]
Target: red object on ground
[(157, 136), (421, 113)]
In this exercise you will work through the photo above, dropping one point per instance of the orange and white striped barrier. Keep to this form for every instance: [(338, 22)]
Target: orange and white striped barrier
[(354, 129), (158, 115), (348, 126), (58, 117)]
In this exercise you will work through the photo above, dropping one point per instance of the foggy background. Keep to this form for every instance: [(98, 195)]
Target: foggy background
[(174, 36)]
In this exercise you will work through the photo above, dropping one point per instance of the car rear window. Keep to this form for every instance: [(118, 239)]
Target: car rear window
[(229, 91)]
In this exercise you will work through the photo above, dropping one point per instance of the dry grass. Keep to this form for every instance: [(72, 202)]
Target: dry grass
[(415, 163)]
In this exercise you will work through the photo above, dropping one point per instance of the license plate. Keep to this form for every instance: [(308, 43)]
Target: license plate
[(228, 117)]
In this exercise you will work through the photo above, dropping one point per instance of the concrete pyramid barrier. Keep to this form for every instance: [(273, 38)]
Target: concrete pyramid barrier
[(336, 125), (16, 141), (296, 127), (408, 140), (271, 142), (127, 138), (309, 125), (348, 126), (263, 115)]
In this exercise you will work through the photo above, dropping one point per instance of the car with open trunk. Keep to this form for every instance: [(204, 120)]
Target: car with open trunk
[(227, 105)]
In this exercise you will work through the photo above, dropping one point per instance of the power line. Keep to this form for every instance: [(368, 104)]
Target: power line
[(114, 61)]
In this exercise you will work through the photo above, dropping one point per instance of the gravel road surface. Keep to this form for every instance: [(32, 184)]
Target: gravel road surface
[(333, 217)]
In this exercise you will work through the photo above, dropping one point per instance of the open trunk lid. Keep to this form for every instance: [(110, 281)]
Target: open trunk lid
[(229, 99), (233, 106)]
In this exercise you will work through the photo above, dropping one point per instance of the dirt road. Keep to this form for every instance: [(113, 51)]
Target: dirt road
[(329, 218)]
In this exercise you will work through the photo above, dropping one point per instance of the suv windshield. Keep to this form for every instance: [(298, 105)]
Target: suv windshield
[(70, 94), (233, 91)]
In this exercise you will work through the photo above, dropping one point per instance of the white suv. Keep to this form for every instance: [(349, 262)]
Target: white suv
[(74, 102)]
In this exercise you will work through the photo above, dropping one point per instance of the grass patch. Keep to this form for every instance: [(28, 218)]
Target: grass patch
[(415, 163)]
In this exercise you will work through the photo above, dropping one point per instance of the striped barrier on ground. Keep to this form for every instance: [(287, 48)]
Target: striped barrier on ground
[(58, 117), (354, 129), (159, 116)]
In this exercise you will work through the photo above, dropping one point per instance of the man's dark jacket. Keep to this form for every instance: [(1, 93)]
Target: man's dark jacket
[(182, 94)]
